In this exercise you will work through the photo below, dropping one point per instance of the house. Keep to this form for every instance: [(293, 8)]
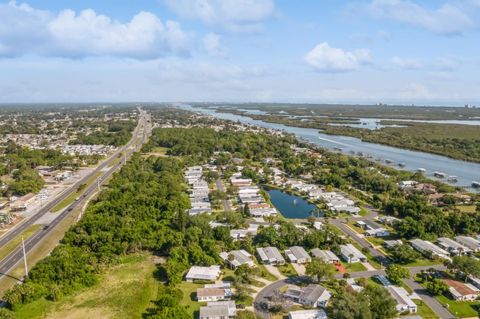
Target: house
[(297, 254), (261, 212), (392, 243), (311, 296), (23, 202), (213, 294), (388, 220), (325, 255), (404, 302), (270, 255), (351, 254), (469, 242), (407, 184), (307, 314), (236, 258), (462, 291), (429, 249), (452, 246), (352, 284), (203, 273), (218, 310), (373, 229)]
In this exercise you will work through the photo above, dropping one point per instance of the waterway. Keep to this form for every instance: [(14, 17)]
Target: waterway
[(289, 205), (465, 172)]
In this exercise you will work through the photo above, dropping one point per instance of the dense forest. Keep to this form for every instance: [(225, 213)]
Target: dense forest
[(115, 133)]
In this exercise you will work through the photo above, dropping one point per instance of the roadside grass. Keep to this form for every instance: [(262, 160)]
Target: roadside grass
[(124, 291), (424, 311), (264, 273), (17, 240), (287, 270), (354, 267), (460, 309), (71, 198)]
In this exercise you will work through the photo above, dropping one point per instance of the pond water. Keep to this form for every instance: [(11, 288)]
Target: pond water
[(290, 206)]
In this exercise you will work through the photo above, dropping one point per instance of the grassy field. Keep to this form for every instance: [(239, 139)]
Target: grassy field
[(17, 241), (461, 309), (125, 291), (354, 267), (287, 270), (189, 290)]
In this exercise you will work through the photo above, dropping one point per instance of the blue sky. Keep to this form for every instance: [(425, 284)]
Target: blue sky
[(391, 51)]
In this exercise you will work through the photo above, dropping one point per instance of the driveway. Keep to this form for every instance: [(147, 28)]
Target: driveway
[(299, 268), (274, 271)]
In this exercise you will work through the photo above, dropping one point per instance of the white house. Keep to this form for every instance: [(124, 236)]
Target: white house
[(236, 258), (270, 255), (310, 296), (213, 294), (426, 247), (452, 246), (203, 273), (351, 254), (307, 314), (404, 302)]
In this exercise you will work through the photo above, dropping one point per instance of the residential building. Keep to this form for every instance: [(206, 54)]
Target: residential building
[(218, 310), (469, 242), (392, 243), (236, 258), (325, 255), (213, 294), (453, 247), (310, 296), (404, 302), (429, 249), (203, 273), (462, 291), (351, 254), (297, 254), (373, 229), (270, 255), (307, 314)]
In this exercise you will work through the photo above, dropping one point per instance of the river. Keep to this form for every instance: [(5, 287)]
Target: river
[(466, 172)]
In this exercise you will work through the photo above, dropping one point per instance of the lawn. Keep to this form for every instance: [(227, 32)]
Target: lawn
[(125, 291), (264, 273), (423, 262), (460, 309), (189, 290), (424, 311), (354, 267), (287, 270)]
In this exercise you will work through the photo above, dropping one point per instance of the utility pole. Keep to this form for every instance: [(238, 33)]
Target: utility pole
[(24, 258)]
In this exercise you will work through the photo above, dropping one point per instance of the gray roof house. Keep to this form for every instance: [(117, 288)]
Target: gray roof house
[(311, 296), (218, 310), (270, 255), (297, 254), (236, 258), (325, 255)]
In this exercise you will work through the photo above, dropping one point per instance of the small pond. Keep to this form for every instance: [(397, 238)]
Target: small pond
[(291, 206)]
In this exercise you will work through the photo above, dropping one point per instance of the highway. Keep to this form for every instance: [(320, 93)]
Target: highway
[(9, 262)]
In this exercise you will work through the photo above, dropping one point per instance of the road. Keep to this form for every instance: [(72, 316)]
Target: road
[(226, 203), (9, 262)]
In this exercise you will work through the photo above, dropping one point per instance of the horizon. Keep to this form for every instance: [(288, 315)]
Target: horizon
[(257, 51)]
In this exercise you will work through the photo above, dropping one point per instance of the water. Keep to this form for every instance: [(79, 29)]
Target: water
[(290, 206), (374, 123), (465, 171)]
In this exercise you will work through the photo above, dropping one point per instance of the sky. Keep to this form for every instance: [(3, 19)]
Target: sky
[(309, 51)]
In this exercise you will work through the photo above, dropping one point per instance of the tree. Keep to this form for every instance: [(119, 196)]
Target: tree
[(349, 305), (396, 273), (436, 286), (404, 254), (382, 305), (243, 274), (466, 266), (319, 270)]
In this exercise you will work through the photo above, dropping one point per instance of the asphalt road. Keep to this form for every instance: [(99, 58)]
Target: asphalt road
[(226, 203), (9, 262)]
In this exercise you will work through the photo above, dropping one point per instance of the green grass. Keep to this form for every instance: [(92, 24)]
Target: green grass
[(287, 270), (125, 291), (71, 198), (424, 311), (460, 309), (17, 241), (354, 267), (189, 290), (467, 208), (423, 262), (264, 273)]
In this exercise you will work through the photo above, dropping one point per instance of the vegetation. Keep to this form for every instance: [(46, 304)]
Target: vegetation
[(114, 133), (396, 273)]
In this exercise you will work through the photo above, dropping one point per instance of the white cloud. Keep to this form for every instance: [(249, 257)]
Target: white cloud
[(25, 30), (232, 15), (213, 45), (446, 64), (325, 58), (407, 63), (446, 19)]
